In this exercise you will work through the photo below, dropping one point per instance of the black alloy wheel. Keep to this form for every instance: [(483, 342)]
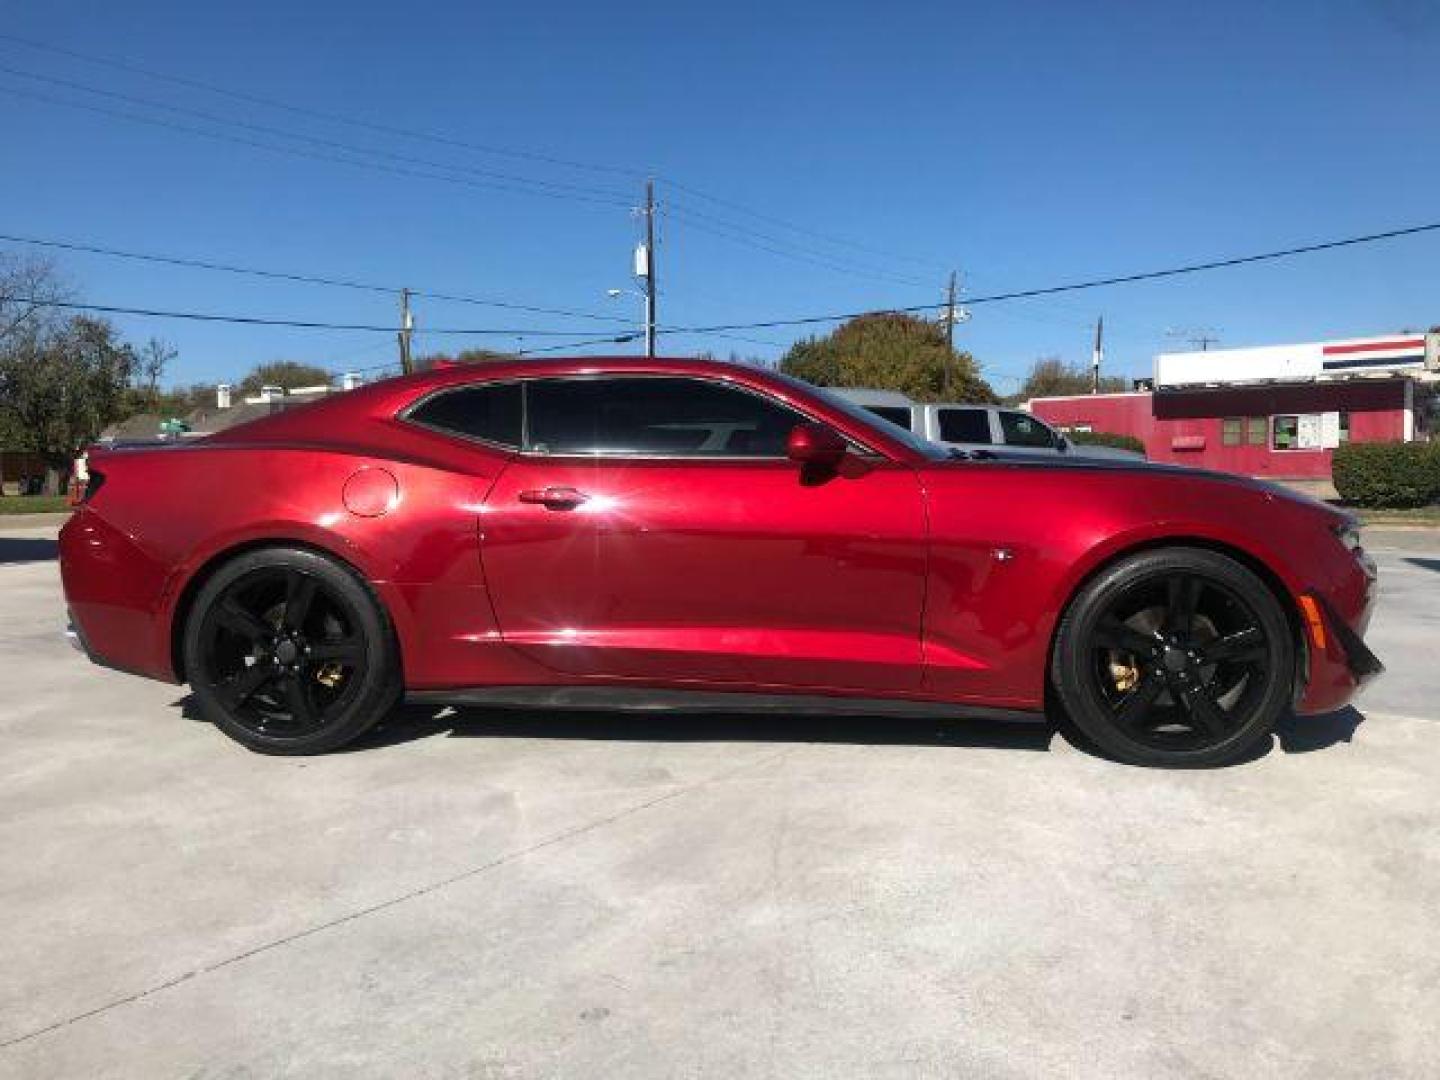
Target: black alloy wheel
[(1177, 656), (289, 653)]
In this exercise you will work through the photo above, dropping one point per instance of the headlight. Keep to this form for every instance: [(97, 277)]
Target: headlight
[(1348, 533)]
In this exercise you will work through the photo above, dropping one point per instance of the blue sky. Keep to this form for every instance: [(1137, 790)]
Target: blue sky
[(1021, 143)]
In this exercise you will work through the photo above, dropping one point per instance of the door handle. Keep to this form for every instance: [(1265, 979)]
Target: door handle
[(554, 498)]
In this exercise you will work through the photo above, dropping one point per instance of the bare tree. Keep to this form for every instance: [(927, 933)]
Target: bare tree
[(152, 359), (28, 284)]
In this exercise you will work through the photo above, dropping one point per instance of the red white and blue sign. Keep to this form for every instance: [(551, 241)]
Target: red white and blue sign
[(1381, 352)]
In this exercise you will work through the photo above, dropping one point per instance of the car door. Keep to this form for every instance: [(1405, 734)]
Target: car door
[(652, 528)]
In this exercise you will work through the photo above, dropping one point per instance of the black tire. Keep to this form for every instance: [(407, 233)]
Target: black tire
[(288, 652), (1177, 657)]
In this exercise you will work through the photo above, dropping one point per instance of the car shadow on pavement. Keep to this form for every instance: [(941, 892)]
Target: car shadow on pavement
[(417, 722), (1425, 564), (408, 723), (1302, 734), (1292, 734), (23, 549)]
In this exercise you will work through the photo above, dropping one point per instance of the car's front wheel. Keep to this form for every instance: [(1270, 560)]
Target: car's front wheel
[(288, 652), (1176, 656)]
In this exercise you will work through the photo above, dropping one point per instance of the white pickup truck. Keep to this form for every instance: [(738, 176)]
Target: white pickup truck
[(974, 427)]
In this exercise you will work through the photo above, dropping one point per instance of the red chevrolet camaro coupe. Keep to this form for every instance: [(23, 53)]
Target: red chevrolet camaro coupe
[(617, 532)]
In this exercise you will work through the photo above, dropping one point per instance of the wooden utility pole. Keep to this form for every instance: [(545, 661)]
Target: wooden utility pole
[(407, 327), (1097, 355), (949, 334), (650, 306)]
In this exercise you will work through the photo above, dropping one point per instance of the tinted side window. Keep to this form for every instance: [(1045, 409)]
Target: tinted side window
[(1022, 430), (490, 412), (654, 416), (898, 415), (965, 425)]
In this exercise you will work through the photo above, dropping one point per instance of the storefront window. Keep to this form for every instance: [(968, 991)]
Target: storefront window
[(1257, 430), (1310, 431), (1230, 431), (1287, 432)]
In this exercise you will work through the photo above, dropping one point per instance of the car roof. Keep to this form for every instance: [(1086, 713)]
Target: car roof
[(386, 398)]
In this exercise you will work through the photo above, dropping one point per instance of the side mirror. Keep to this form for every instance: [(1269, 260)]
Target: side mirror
[(1062, 443), (815, 444)]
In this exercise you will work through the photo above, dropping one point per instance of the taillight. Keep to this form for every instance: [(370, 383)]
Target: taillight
[(93, 482)]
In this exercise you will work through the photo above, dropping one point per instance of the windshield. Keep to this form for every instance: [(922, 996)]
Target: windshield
[(866, 418)]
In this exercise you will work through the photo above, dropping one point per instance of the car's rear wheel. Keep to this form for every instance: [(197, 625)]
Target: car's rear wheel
[(288, 652), (1176, 656)]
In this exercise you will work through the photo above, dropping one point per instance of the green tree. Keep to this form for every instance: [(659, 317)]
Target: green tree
[(60, 387), (287, 374), (889, 351), (1052, 377)]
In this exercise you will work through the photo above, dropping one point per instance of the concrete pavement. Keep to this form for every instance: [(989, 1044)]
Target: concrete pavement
[(490, 894)]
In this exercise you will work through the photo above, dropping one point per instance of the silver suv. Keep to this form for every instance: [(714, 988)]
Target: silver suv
[(973, 427)]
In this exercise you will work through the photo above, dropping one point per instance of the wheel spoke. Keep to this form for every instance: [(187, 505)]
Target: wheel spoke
[(237, 620), (1199, 702), (299, 593), (1114, 634), (347, 650), (1182, 597), (242, 687), (1242, 645), (297, 699), (1135, 706)]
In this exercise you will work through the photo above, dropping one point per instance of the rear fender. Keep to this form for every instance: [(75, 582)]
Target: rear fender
[(190, 575)]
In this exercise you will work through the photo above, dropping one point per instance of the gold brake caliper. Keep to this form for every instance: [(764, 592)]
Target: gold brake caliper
[(1125, 674)]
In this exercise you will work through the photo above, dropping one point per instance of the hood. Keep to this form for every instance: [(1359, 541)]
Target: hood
[(1000, 457)]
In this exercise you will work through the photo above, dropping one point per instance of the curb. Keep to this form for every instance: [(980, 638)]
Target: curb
[(33, 521)]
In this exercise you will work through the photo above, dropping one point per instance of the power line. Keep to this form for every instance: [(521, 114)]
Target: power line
[(344, 283), (318, 114), (258, 320), (775, 246), (298, 152), (722, 328), (306, 324), (1093, 283), (784, 224), (720, 227), (543, 186), (444, 140), (620, 339), (307, 279)]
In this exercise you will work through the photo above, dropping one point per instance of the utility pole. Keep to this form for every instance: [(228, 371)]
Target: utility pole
[(1202, 337), (407, 327), (645, 267), (949, 334), (1097, 355), (649, 267)]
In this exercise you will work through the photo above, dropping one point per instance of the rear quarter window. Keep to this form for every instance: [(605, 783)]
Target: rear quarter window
[(490, 412)]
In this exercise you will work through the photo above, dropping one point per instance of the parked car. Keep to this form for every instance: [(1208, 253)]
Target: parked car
[(976, 427), (608, 531)]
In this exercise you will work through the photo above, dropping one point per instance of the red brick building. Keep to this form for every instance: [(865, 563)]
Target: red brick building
[(1274, 412)]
